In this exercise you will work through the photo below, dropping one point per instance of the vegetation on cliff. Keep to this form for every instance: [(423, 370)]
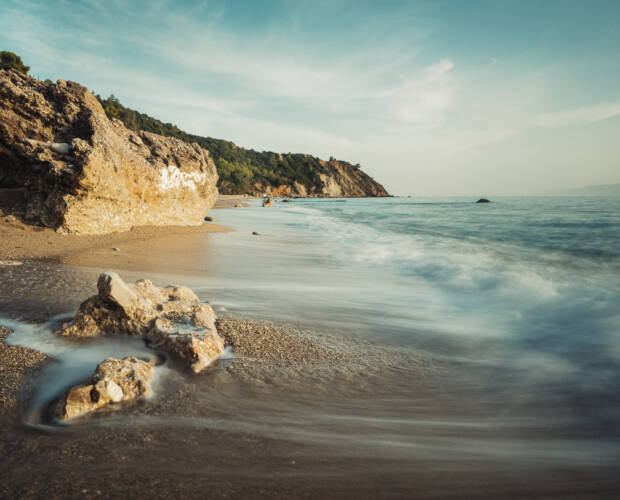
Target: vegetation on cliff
[(248, 171), (9, 60)]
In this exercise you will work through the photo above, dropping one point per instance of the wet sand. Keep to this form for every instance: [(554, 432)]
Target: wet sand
[(230, 200)]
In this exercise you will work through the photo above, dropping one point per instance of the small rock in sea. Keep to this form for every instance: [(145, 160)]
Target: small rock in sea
[(116, 249), (267, 202), (483, 200), (208, 218), (255, 233), (237, 205), (287, 201), (114, 380)]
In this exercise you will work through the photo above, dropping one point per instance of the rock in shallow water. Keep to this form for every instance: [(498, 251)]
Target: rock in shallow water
[(198, 346), (114, 380), (172, 318)]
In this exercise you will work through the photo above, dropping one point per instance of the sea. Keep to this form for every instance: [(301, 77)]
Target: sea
[(487, 336)]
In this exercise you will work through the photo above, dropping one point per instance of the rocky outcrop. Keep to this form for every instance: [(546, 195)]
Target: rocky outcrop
[(114, 380), (171, 319), (84, 173), (338, 179)]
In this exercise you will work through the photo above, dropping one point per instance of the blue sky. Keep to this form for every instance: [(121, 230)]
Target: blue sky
[(431, 97)]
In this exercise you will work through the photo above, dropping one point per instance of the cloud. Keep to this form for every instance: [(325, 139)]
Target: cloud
[(579, 116)]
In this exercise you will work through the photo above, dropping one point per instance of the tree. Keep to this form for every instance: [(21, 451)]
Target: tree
[(9, 60)]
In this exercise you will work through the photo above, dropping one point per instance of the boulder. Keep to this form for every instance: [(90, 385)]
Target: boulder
[(113, 381), (197, 345), (483, 200), (267, 202), (171, 318), (84, 173)]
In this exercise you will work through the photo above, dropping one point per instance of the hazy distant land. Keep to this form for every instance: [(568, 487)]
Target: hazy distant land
[(597, 190)]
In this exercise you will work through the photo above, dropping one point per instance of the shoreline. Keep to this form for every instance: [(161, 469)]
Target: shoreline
[(19, 241)]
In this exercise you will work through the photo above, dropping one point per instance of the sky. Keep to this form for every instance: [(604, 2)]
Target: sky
[(454, 97)]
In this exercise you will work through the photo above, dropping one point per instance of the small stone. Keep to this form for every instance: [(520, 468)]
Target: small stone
[(60, 147), (116, 249), (255, 233), (208, 218)]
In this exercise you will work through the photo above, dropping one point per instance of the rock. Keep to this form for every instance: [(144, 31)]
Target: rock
[(267, 202), (114, 380), (208, 218), (199, 346), (238, 205), (84, 173), (255, 233), (287, 201), (483, 200), (112, 288), (60, 147), (116, 249), (171, 318)]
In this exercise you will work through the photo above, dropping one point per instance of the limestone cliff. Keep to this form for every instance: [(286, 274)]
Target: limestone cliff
[(248, 171), (336, 179), (84, 173)]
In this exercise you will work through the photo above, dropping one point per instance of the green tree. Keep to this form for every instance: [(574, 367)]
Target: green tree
[(9, 60)]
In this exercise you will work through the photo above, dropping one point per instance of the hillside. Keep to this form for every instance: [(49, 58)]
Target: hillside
[(247, 171)]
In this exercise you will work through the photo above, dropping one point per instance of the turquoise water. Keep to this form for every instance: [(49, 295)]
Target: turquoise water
[(519, 298), (450, 276)]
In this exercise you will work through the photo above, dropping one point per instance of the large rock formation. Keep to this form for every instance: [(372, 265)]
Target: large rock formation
[(84, 173), (114, 380), (171, 319), (338, 179)]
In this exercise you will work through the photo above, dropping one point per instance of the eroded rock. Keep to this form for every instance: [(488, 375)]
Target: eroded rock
[(197, 345), (84, 173), (113, 381), (171, 318)]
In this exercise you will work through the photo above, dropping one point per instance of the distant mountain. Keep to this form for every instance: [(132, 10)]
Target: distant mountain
[(245, 171), (598, 190)]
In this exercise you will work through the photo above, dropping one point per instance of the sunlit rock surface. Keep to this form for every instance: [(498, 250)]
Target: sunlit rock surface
[(114, 380), (171, 318), (84, 173)]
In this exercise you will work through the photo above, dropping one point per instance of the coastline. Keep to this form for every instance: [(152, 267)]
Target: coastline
[(19, 241)]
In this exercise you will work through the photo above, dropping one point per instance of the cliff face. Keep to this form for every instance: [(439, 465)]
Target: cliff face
[(83, 173), (244, 171), (336, 179)]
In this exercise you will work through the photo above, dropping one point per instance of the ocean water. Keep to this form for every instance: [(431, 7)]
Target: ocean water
[(517, 302), (487, 335)]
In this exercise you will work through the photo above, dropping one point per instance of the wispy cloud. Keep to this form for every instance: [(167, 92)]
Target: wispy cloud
[(579, 116)]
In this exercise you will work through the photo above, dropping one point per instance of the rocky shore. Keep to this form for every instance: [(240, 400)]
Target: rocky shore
[(79, 172)]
